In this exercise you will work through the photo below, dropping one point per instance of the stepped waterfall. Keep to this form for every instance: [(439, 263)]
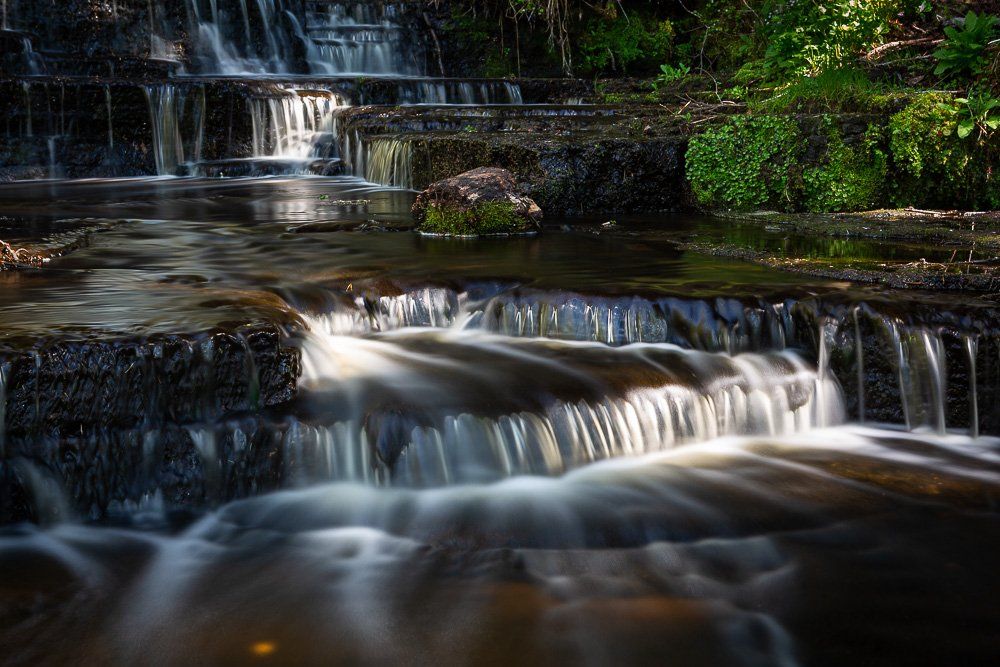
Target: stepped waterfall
[(255, 407)]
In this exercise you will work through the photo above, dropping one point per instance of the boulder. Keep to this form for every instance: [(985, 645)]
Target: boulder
[(482, 201)]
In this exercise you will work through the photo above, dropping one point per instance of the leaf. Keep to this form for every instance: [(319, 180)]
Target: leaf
[(965, 128), (993, 123)]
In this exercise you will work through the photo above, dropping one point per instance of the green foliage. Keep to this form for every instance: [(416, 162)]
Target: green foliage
[(808, 37), (921, 136), (979, 113), (964, 51), (850, 178), (623, 42), (744, 163), (670, 74), (485, 218), (933, 165)]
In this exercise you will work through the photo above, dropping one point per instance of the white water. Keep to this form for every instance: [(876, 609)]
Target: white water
[(299, 125), (442, 437), (917, 353), (338, 38)]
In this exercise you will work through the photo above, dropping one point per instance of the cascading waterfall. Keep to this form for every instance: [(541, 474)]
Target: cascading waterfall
[(227, 45), (768, 394), (169, 112), (298, 125), (3, 408), (359, 38), (387, 161), (337, 38), (916, 353)]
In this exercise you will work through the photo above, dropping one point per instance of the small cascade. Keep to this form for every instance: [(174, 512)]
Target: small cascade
[(460, 92), (316, 37), (3, 409), (28, 125), (227, 36), (174, 112), (359, 38), (386, 161), (55, 171), (28, 62), (915, 371), (428, 307), (111, 129), (920, 365), (441, 437), (297, 125)]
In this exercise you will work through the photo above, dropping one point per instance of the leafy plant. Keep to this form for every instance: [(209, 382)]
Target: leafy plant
[(625, 41), (806, 37), (744, 163), (670, 74), (979, 112), (849, 178), (963, 52)]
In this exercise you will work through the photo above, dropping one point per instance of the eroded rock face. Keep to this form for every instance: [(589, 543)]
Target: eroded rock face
[(486, 200)]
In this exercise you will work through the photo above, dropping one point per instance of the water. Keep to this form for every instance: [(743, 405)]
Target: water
[(585, 446), (240, 37)]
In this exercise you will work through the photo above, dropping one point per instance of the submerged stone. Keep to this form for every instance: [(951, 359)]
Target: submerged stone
[(482, 201)]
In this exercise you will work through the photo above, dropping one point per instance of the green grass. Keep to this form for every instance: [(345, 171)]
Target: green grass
[(844, 90)]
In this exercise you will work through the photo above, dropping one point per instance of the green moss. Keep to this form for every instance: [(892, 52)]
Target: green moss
[(850, 178), (485, 218), (745, 163), (934, 165)]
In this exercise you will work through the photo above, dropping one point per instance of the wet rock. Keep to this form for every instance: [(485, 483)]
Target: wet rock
[(15, 258), (486, 200)]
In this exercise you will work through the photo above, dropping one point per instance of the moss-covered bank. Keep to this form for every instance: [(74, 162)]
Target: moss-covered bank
[(850, 162)]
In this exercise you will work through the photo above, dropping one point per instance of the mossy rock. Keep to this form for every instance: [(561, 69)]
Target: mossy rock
[(488, 218), (480, 202)]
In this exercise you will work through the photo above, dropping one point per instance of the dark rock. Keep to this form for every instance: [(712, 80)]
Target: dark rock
[(486, 200)]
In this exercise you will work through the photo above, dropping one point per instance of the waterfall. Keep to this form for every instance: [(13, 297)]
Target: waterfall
[(421, 445), (357, 38), (111, 130), (972, 350), (387, 161), (916, 354), (3, 408), (28, 129), (54, 169), (226, 42), (299, 125), (337, 38), (170, 115)]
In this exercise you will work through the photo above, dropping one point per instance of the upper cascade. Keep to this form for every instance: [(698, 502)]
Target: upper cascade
[(240, 37)]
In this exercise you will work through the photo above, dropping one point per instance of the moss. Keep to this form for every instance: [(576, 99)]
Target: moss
[(745, 163), (485, 218), (935, 166), (849, 178)]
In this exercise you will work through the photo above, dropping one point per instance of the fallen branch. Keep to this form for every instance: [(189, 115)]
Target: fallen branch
[(901, 44)]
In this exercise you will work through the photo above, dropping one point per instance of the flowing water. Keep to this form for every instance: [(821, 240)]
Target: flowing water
[(259, 419), (588, 447)]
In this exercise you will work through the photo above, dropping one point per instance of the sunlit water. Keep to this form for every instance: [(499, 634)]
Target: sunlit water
[(588, 447)]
